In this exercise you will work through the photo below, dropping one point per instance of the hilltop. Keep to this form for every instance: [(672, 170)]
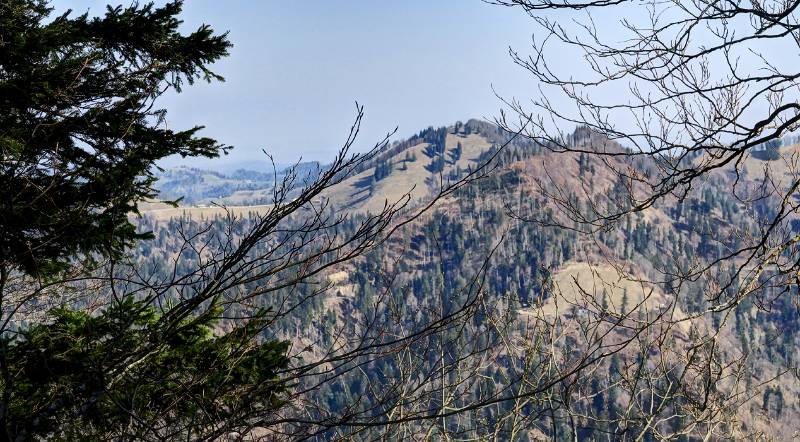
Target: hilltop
[(543, 272)]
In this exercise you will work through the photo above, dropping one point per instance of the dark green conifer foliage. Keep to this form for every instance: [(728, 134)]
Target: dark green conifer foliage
[(79, 135), (79, 129), (99, 377)]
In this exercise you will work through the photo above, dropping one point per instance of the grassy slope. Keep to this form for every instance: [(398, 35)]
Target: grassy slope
[(586, 276)]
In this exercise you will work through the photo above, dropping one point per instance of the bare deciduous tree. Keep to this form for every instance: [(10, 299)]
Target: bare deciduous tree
[(674, 100)]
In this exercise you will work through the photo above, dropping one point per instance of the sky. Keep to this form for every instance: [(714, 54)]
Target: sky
[(298, 67)]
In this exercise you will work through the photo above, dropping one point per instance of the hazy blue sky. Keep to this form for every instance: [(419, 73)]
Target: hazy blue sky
[(297, 67)]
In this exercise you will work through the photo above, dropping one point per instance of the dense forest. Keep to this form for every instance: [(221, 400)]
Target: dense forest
[(495, 229)]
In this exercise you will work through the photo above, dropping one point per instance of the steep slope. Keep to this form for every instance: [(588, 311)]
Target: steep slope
[(417, 172), (549, 275)]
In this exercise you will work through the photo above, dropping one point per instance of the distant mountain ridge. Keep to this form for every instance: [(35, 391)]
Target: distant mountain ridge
[(195, 186), (410, 165)]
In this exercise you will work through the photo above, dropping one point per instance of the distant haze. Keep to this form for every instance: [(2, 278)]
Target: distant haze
[(297, 68)]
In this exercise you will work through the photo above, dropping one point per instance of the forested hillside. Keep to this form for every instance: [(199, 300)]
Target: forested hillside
[(600, 333), (614, 258)]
